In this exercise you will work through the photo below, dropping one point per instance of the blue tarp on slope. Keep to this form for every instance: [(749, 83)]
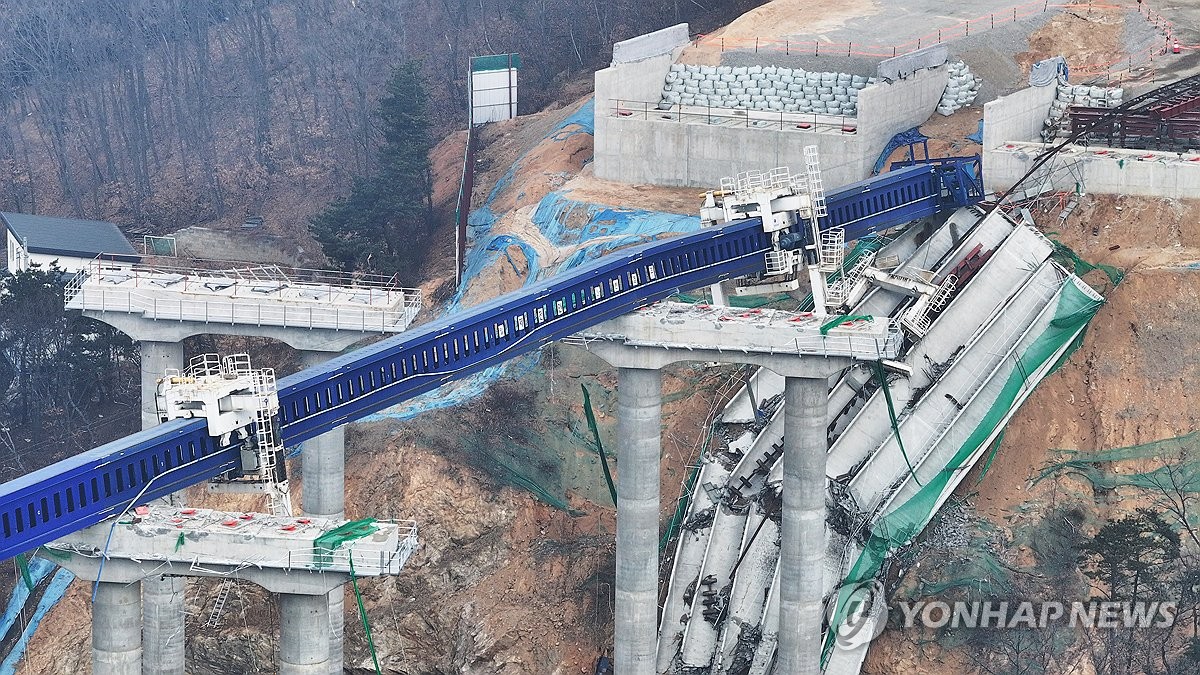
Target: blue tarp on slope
[(564, 221), (54, 592)]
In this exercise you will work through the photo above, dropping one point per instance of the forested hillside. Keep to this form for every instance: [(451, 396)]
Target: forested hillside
[(167, 113)]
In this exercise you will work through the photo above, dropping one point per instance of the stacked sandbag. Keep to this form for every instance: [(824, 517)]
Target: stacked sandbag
[(961, 90), (1083, 95), (768, 88)]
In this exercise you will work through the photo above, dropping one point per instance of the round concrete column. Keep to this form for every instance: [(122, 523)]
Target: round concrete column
[(156, 358), (324, 495), (802, 540), (117, 630), (163, 621), (639, 426), (163, 613), (303, 634)]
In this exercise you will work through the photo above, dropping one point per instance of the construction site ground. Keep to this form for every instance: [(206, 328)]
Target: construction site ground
[(507, 583)]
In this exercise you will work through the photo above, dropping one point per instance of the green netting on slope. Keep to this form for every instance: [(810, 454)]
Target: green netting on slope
[(326, 544), (1075, 308), (1179, 457), (1080, 267), (591, 422), (517, 479), (981, 576), (862, 247)]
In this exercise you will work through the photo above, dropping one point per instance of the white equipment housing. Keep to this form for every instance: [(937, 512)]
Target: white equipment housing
[(782, 200), (236, 399)]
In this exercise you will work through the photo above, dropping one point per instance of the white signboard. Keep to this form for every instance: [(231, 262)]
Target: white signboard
[(493, 83)]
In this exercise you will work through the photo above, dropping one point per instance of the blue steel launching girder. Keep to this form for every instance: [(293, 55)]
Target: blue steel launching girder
[(83, 490)]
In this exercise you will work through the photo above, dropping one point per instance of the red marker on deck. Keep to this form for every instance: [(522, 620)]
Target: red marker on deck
[(1175, 47)]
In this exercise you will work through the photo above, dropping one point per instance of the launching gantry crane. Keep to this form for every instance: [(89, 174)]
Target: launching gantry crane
[(792, 208), (240, 402)]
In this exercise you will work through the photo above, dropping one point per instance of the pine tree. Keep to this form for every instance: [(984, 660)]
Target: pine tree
[(384, 225)]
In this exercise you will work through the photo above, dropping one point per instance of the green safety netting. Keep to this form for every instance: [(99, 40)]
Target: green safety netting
[(685, 495), (1080, 267), (362, 613), (517, 479), (23, 563), (881, 377), (326, 544), (978, 576), (1074, 310), (1179, 469), (845, 318), (591, 421)]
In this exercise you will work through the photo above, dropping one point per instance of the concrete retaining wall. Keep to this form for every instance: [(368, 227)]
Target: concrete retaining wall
[(643, 148), (636, 81), (1012, 122), (651, 44), (1126, 172), (887, 108), (1017, 117), (681, 154)]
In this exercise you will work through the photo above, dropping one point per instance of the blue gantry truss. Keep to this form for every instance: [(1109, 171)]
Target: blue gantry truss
[(87, 488)]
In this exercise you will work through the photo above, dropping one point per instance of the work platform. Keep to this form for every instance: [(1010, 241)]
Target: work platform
[(299, 555), (253, 296), (723, 330)]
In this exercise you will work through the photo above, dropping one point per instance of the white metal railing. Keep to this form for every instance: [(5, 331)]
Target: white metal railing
[(286, 314), (917, 321), (856, 345), (779, 262), (942, 295), (734, 117), (816, 186), (297, 286), (833, 249), (839, 291), (251, 271)]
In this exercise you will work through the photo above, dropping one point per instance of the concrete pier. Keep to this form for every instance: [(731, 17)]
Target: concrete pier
[(324, 496), (163, 615), (116, 631), (156, 358), (639, 425), (802, 538), (303, 640), (163, 620), (640, 343)]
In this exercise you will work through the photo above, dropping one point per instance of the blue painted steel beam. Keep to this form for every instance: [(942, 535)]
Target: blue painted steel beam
[(85, 489), (421, 359)]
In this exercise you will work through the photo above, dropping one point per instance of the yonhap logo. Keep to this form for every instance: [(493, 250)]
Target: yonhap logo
[(865, 614), (1037, 615)]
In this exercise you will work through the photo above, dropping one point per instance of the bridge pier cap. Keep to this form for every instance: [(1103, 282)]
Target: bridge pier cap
[(620, 355)]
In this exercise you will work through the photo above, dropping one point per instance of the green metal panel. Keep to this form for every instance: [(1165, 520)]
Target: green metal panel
[(495, 62)]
